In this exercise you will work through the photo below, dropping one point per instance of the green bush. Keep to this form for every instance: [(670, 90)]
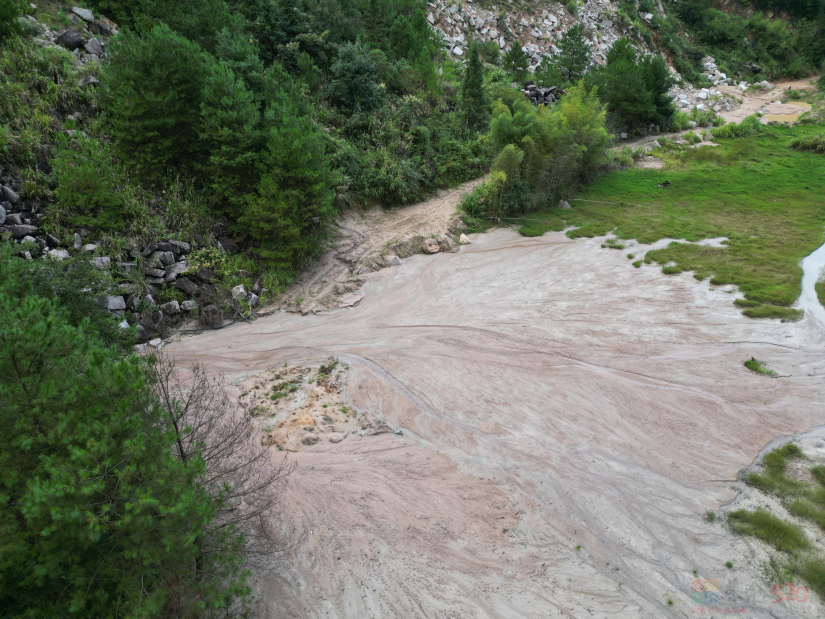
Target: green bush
[(354, 84), (634, 88), (750, 125), (89, 184), (780, 534), (9, 10), (542, 153), (809, 143)]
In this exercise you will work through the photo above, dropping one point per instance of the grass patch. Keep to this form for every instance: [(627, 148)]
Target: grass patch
[(746, 303), (779, 533), (785, 314), (671, 270), (803, 499), (758, 366), (768, 200), (820, 292), (637, 264)]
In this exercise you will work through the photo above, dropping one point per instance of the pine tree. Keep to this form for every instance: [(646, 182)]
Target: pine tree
[(574, 56), (473, 98), (289, 213), (97, 517), (515, 62), (151, 91)]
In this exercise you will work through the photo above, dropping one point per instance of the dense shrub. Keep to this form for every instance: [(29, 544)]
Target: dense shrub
[(9, 10), (89, 183), (354, 85), (542, 153), (750, 125)]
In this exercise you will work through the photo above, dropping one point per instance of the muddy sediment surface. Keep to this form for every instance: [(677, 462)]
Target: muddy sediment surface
[(567, 421)]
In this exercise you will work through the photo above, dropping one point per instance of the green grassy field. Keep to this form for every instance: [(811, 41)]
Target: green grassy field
[(767, 199)]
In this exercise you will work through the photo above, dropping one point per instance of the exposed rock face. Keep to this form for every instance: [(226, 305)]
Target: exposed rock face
[(70, 39)]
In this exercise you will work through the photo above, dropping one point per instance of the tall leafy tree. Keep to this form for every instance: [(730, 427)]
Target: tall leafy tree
[(574, 53), (473, 98)]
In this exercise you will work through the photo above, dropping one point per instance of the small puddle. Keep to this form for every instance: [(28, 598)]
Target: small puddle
[(812, 267), (789, 118)]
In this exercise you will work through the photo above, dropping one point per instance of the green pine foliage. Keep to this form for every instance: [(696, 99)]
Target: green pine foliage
[(634, 88), (151, 91), (515, 62), (473, 98), (574, 56), (289, 212), (98, 518)]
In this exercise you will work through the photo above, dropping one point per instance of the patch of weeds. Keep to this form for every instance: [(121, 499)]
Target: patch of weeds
[(671, 270), (779, 533), (802, 499), (785, 314), (630, 256), (637, 264), (729, 565), (615, 246), (809, 143), (710, 516), (746, 303), (758, 366), (820, 291)]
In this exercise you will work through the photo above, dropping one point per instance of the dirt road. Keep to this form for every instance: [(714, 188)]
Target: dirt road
[(568, 420)]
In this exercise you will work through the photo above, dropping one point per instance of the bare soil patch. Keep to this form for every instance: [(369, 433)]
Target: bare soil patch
[(567, 422)]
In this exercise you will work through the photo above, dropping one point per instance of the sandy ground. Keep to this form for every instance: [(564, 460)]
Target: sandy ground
[(567, 422), (752, 102), (366, 238)]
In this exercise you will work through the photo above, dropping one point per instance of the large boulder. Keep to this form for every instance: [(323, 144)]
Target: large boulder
[(111, 302), (70, 39), (445, 243), (430, 246), (239, 292), (2, 215), (84, 14), (9, 195), (189, 305), (93, 46), (171, 308), (21, 230), (187, 286)]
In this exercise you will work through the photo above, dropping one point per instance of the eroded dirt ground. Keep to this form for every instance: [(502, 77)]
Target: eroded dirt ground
[(566, 423)]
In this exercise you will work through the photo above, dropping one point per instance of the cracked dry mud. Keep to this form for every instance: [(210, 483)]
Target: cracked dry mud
[(567, 421)]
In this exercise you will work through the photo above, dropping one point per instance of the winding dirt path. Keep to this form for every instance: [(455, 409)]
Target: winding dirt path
[(567, 422)]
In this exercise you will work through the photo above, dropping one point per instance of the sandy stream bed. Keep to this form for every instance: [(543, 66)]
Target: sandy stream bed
[(567, 422)]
